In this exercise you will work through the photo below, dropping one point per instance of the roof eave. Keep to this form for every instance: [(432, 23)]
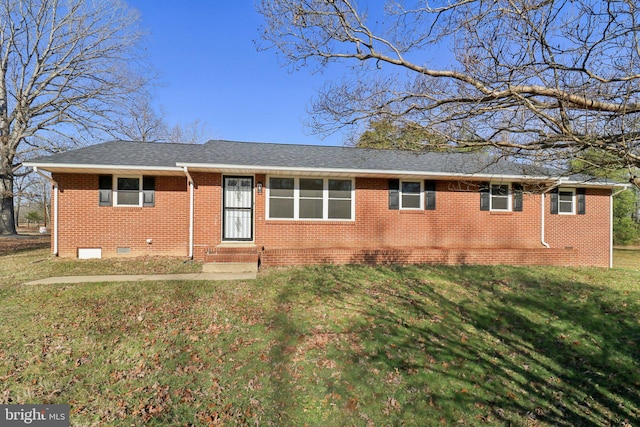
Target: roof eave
[(592, 184), (275, 170), (88, 168), (206, 167)]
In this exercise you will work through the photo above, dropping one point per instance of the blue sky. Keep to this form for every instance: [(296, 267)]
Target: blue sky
[(211, 70)]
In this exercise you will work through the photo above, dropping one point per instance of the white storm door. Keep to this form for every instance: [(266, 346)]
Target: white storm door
[(238, 208)]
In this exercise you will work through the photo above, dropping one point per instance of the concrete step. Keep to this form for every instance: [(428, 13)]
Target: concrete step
[(230, 267)]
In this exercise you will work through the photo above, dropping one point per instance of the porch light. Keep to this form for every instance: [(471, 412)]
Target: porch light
[(259, 187)]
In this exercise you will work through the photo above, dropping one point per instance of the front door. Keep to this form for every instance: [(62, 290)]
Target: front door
[(238, 208)]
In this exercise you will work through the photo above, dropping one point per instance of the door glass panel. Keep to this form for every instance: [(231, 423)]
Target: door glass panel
[(237, 224), (238, 193), (238, 208)]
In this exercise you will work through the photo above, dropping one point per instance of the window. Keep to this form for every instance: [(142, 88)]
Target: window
[(132, 191), (310, 198), (568, 201), (500, 197), (281, 197), (500, 200), (565, 201), (127, 191), (339, 199), (410, 195)]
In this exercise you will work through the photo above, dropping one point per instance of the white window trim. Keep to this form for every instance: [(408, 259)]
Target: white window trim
[(296, 198), (509, 197), (573, 200), (115, 191), (421, 194)]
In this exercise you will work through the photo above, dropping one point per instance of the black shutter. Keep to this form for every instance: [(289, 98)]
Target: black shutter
[(430, 195), (554, 201), (485, 196), (394, 194), (148, 191), (582, 201), (105, 183), (517, 197)]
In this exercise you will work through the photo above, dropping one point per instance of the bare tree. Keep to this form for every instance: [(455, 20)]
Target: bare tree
[(65, 68), (544, 79), (195, 132), (141, 122), (22, 187), (31, 190)]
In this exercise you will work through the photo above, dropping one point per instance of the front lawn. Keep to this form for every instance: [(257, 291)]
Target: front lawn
[(326, 345)]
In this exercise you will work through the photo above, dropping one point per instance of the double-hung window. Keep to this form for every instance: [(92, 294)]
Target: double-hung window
[(310, 198), (410, 195), (566, 201), (501, 197), (281, 197), (340, 199), (126, 190)]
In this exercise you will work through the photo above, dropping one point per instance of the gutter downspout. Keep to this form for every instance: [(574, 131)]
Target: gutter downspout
[(543, 196), (611, 224), (191, 210), (55, 208)]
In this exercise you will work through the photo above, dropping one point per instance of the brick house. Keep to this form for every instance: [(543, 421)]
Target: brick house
[(279, 204)]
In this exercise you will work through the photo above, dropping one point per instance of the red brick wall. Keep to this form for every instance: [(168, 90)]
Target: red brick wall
[(482, 256), (588, 235), (207, 212), (457, 222), (84, 224), (457, 226)]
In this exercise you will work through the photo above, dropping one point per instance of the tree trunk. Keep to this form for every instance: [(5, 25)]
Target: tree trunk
[(7, 220)]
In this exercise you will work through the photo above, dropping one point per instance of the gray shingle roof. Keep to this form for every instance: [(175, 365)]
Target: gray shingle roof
[(349, 158), (123, 153), (268, 156)]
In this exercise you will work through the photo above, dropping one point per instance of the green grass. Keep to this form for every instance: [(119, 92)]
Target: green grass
[(626, 258), (326, 345)]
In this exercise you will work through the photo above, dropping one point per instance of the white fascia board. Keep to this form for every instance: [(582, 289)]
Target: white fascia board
[(52, 167), (362, 172), (574, 183)]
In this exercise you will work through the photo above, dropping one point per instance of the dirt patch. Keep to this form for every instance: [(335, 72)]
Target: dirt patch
[(22, 242)]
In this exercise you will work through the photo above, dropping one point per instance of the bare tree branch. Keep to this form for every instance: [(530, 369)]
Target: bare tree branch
[(545, 79), (66, 68)]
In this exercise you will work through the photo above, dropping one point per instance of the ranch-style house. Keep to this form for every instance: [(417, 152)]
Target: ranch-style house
[(281, 204)]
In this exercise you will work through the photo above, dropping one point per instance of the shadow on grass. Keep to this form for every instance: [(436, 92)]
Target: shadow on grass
[(22, 243), (492, 344)]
